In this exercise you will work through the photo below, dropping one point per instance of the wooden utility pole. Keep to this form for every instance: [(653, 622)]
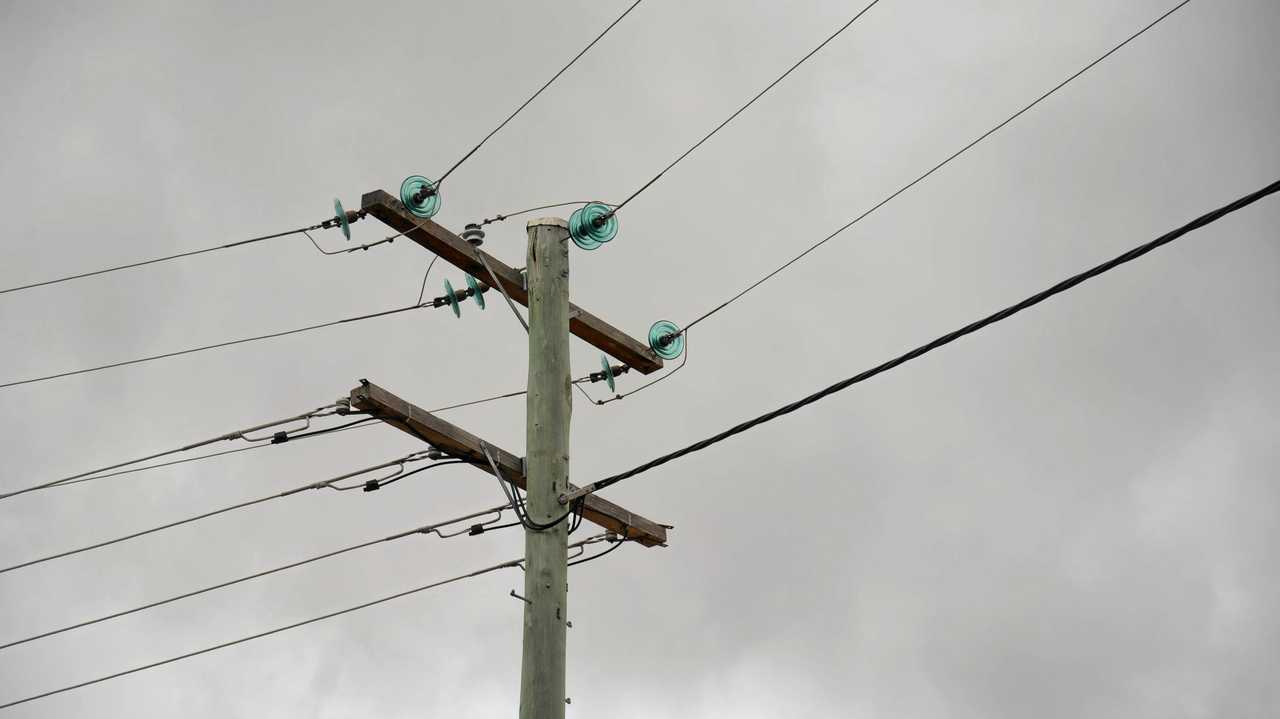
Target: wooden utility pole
[(550, 403), (544, 473)]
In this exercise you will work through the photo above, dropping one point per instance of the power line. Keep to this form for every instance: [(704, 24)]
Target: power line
[(333, 222), (517, 213), (291, 438), (615, 542), (684, 359), (749, 103), (358, 424), (323, 484), (242, 434), (935, 168), (535, 95), (426, 529), (166, 355), (491, 568), (948, 338), (253, 240)]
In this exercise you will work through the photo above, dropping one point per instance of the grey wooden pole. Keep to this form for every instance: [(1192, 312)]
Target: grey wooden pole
[(549, 405)]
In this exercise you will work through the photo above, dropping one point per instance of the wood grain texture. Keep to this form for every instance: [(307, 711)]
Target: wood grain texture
[(420, 423), (459, 253)]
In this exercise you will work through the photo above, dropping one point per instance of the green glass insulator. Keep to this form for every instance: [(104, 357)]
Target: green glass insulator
[(421, 206), (664, 340), (453, 299), (342, 219), (474, 286), (592, 225), (608, 371)]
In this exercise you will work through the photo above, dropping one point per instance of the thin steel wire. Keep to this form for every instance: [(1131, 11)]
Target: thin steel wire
[(517, 213), (491, 568), (166, 355), (503, 290), (624, 395), (946, 339), (425, 529), (323, 484), (936, 167), (749, 103), (347, 250), (358, 424), (229, 436), (535, 95), (423, 292), (155, 260)]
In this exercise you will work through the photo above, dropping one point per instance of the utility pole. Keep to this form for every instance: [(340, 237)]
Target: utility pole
[(544, 472), (550, 403)]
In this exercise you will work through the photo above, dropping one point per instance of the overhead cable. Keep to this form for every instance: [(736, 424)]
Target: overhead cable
[(241, 243), (435, 528), (535, 95), (322, 484), (241, 434), (166, 355), (948, 338), (935, 168), (749, 103), (491, 568)]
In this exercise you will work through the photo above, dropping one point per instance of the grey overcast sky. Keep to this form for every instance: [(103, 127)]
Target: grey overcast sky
[(1071, 514)]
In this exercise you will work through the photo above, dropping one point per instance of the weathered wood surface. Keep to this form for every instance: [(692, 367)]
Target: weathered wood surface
[(420, 423), (458, 252)]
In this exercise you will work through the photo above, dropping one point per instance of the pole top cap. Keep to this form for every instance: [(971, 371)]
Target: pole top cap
[(548, 221)]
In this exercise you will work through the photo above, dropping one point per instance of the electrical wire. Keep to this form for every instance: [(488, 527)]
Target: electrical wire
[(683, 360), (749, 103), (425, 529), (242, 434), (517, 504), (584, 560), (935, 168), (358, 424), (421, 293), (535, 95), (517, 213), (167, 258), (323, 484), (491, 568), (166, 355), (379, 484), (948, 338), (348, 250)]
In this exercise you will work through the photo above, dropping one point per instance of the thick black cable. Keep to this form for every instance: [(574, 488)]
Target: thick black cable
[(935, 168), (948, 338), (229, 343), (323, 484), (598, 555), (382, 483), (535, 95), (426, 529), (750, 102), (514, 499)]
